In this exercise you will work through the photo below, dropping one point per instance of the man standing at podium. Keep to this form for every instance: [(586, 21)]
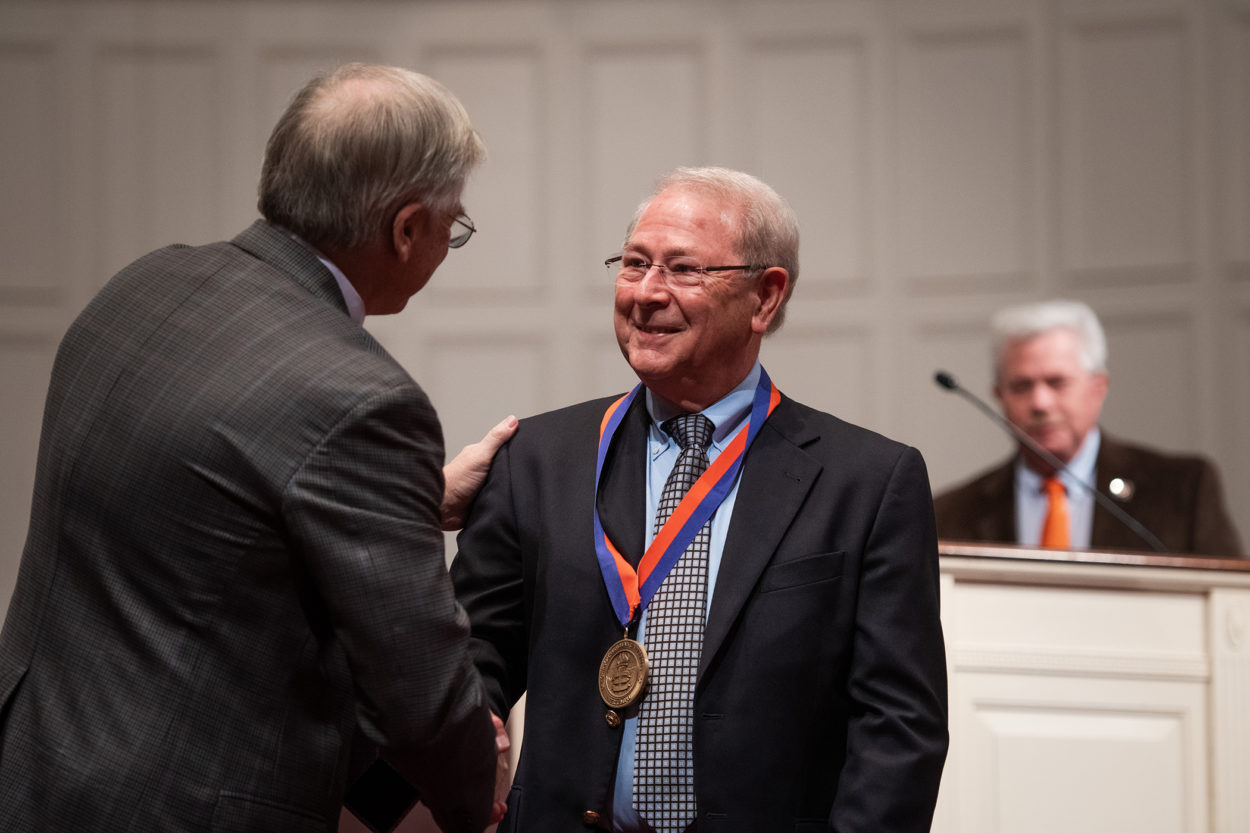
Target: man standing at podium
[(1050, 363)]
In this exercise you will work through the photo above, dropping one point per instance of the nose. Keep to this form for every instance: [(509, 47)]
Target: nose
[(653, 288), (1041, 399)]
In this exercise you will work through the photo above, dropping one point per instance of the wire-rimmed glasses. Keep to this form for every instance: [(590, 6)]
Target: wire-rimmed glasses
[(679, 271), (461, 236)]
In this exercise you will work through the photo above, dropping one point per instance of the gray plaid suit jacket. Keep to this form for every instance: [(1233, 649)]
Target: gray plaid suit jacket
[(234, 572)]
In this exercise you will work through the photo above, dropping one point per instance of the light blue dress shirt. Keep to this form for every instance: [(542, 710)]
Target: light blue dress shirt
[(355, 304), (728, 415), (1031, 502)]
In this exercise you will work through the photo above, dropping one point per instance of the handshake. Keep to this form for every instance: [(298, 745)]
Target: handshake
[(503, 772), (381, 798)]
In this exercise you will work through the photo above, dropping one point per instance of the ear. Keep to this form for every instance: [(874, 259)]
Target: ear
[(407, 228), (770, 291), (1101, 381)]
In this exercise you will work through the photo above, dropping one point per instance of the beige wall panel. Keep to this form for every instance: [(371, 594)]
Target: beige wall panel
[(957, 440), (830, 368), (965, 199), (644, 114), (282, 67), (1234, 186), (159, 159), (819, 91), (30, 228), (503, 91), (475, 381), (1128, 156), (1148, 353)]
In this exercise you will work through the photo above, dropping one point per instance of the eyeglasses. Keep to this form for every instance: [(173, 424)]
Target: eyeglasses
[(461, 236), (680, 271)]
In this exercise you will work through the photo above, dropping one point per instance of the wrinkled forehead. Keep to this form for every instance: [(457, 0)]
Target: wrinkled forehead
[(684, 221), (1057, 352)]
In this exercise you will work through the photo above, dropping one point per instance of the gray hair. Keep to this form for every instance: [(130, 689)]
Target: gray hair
[(1028, 320), (768, 228), (355, 146)]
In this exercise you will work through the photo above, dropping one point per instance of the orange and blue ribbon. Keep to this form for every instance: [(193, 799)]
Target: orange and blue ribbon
[(631, 590)]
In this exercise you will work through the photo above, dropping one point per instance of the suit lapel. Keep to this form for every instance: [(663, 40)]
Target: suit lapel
[(997, 515), (1107, 530), (776, 476)]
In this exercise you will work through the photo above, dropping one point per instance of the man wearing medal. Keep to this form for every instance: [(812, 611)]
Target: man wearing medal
[(755, 649)]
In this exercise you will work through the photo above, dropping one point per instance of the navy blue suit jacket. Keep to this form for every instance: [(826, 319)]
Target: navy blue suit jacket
[(821, 701)]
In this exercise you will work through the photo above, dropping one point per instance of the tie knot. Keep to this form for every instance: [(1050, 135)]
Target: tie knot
[(690, 429), (1053, 487)]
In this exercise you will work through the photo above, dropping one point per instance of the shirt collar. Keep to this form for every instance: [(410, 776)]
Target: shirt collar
[(355, 304), (727, 414), (1080, 466)]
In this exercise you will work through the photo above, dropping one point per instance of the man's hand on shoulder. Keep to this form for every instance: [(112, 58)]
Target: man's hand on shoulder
[(465, 474)]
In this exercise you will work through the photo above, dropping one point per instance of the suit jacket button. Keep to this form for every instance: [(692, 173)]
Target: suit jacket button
[(612, 718), (590, 817)]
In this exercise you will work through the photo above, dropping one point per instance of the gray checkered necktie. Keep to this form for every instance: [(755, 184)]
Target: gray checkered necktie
[(664, 758)]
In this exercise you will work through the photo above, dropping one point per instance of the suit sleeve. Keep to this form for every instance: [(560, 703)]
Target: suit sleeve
[(489, 580), (1214, 532), (897, 737), (364, 514)]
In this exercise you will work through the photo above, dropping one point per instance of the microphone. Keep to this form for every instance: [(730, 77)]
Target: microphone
[(947, 381)]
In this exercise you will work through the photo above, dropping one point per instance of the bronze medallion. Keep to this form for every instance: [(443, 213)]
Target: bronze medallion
[(623, 674)]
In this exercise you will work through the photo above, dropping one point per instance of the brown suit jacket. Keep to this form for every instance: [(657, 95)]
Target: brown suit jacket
[(1177, 497)]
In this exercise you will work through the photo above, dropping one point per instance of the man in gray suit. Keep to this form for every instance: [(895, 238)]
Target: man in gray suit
[(234, 579)]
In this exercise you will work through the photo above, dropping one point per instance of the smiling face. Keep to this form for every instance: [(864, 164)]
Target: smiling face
[(1044, 388), (692, 345)]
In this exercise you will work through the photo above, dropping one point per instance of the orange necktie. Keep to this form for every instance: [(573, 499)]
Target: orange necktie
[(1055, 529)]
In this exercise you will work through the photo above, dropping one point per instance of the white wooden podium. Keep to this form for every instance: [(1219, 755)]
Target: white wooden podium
[(1095, 692)]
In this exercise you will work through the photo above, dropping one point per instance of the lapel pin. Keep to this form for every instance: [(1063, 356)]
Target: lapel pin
[(1121, 489)]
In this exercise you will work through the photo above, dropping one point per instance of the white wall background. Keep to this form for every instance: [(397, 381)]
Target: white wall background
[(945, 157)]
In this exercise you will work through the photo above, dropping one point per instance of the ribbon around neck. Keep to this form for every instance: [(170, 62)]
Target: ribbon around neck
[(631, 590)]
